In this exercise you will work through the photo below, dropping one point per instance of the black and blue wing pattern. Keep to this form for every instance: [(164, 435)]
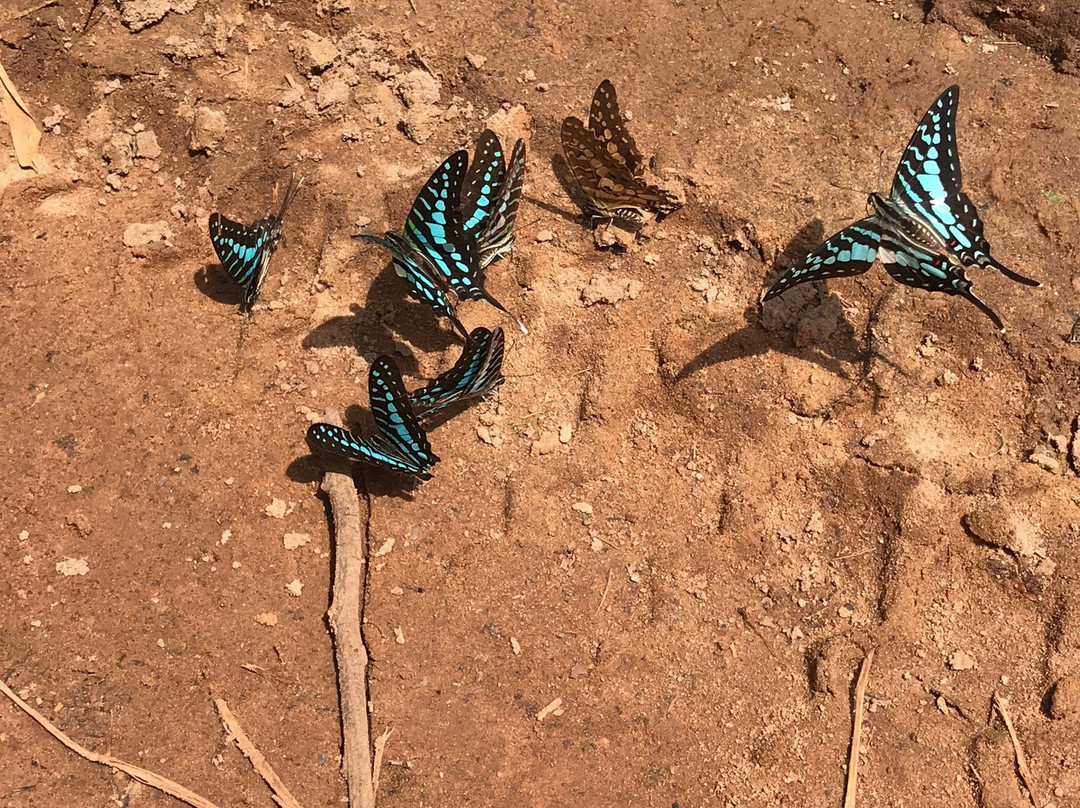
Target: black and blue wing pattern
[(477, 371), (926, 233), (497, 236), (245, 250), (485, 177), (398, 442), (849, 252), (928, 184)]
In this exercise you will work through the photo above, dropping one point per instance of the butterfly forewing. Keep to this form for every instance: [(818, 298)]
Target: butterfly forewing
[(848, 252), (244, 251), (477, 371), (337, 441), (485, 177), (607, 125), (607, 183), (395, 420)]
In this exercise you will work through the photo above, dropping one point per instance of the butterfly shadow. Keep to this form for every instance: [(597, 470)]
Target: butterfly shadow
[(367, 331), (214, 282), (566, 179), (774, 326)]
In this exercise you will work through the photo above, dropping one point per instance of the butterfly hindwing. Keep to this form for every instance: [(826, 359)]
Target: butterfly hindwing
[(477, 371), (337, 441), (848, 252), (607, 126)]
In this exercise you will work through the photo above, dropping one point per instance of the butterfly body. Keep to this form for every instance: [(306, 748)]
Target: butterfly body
[(398, 443), (608, 166), (245, 250), (926, 232)]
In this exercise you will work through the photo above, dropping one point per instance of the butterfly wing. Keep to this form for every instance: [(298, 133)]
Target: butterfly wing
[(608, 184), (343, 443), (436, 227), (607, 125), (396, 424), (244, 251), (477, 371), (425, 283), (848, 252), (913, 266), (481, 188), (497, 237)]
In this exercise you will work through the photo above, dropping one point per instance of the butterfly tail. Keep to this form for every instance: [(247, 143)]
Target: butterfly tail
[(1008, 273), (967, 294), (488, 297)]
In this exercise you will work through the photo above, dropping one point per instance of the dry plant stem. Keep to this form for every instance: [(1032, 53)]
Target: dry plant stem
[(1021, 759), (345, 616), (856, 731), (142, 775), (282, 795)]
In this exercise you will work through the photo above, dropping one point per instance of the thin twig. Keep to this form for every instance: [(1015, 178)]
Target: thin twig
[(380, 750), (32, 9), (345, 616), (171, 788), (603, 597), (1021, 759), (856, 730), (282, 795)]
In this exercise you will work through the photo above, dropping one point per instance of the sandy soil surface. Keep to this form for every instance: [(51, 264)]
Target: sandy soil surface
[(686, 516)]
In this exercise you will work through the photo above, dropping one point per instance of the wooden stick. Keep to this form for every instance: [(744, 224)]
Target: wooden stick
[(34, 9), (282, 795), (1021, 759), (136, 773), (856, 730), (346, 625)]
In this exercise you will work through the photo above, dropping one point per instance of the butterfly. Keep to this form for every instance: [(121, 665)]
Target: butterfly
[(477, 371), (434, 244), (245, 250), (926, 233), (398, 443), (607, 164)]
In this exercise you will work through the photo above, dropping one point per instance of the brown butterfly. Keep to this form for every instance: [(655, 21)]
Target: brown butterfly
[(607, 164)]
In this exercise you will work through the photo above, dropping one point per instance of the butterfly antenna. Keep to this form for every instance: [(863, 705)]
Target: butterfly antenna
[(290, 192)]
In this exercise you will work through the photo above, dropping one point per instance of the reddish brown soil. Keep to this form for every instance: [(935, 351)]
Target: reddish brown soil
[(762, 495)]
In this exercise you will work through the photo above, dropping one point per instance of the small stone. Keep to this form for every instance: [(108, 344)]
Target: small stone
[(1044, 461), (418, 88), (312, 367), (544, 236), (846, 611), (515, 646), (313, 54), (277, 509), (418, 124), (146, 145), (334, 92), (565, 433), (207, 130), (546, 444), (977, 364), (140, 14), (483, 434), (72, 566), (609, 235), (385, 548), (266, 619), (961, 661), (294, 587), (583, 507), (118, 153), (475, 60), (294, 540), (579, 671), (140, 237), (815, 524), (399, 635), (947, 378), (74, 489)]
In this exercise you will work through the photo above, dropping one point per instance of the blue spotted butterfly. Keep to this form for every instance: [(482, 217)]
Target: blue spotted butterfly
[(398, 443), (491, 195), (434, 245), (927, 232), (477, 372), (245, 250)]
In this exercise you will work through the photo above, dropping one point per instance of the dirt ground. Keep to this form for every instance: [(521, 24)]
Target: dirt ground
[(685, 515)]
